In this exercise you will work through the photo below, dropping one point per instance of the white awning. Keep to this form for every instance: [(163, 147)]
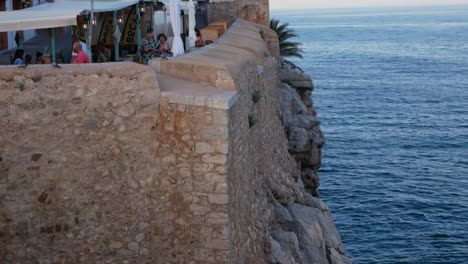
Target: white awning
[(59, 14), (183, 4), (99, 5)]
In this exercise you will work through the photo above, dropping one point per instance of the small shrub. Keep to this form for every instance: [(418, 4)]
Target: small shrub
[(256, 96), (283, 201), (21, 85), (251, 120), (298, 201)]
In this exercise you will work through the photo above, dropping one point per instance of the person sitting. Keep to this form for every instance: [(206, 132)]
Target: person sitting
[(103, 54), (40, 58), (164, 46), (81, 56), (28, 59), (150, 46), (20, 57), (199, 42), (84, 47)]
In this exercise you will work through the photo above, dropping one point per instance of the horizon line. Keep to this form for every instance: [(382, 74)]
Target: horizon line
[(367, 6)]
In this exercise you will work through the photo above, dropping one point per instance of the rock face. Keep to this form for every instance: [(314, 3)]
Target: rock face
[(303, 230), (301, 125)]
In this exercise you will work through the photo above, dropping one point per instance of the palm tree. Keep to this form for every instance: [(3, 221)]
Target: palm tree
[(287, 48)]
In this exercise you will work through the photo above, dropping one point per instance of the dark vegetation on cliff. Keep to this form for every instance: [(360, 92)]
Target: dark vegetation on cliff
[(288, 48)]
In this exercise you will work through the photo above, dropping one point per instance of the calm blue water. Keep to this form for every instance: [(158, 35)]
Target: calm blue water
[(392, 95)]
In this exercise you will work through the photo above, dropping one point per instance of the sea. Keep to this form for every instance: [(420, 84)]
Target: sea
[(391, 91)]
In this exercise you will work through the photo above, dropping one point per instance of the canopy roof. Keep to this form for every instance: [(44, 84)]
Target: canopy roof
[(59, 14)]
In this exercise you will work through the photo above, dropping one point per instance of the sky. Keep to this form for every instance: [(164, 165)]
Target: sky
[(294, 4)]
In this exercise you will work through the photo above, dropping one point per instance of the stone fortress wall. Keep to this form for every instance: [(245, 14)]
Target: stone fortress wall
[(186, 162), (76, 163), (256, 11)]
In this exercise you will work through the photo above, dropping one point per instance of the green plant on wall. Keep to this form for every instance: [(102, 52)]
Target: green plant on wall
[(256, 96), (251, 120), (21, 85)]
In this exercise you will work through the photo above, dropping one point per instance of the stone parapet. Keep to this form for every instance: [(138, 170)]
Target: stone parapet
[(127, 70), (218, 64), (77, 163), (183, 92)]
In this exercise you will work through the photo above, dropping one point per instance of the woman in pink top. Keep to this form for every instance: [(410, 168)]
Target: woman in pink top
[(82, 57)]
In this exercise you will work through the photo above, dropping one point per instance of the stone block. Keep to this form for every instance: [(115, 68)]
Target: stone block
[(133, 246), (218, 198), (221, 188), (185, 173), (203, 167), (222, 148), (139, 237), (210, 33), (203, 147), (217, 244), (217, 218), (115, 244), (214, 159), (203, 187), (199, 209), (220, 118)]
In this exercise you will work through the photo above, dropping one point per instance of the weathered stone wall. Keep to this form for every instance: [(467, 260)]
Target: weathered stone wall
[(257, 166), (218, 168), (77, 162), (259, 162), (94, 168), (191, 207), (273, 216), (257, 11), (270, 203)]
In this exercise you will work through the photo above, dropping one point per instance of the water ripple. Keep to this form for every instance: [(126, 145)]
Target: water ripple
[(392, 95)]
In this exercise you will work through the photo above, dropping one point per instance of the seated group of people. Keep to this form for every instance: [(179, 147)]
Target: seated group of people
[(79, 55), (159, 47), (152, 47), (21, 57)]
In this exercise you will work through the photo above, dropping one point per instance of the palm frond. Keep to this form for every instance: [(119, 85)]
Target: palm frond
[(288, 48)]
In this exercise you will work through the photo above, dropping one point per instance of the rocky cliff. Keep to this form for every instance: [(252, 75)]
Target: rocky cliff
[(303, 230)]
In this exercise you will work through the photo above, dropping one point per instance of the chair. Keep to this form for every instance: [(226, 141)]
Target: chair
[(66, 55)]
